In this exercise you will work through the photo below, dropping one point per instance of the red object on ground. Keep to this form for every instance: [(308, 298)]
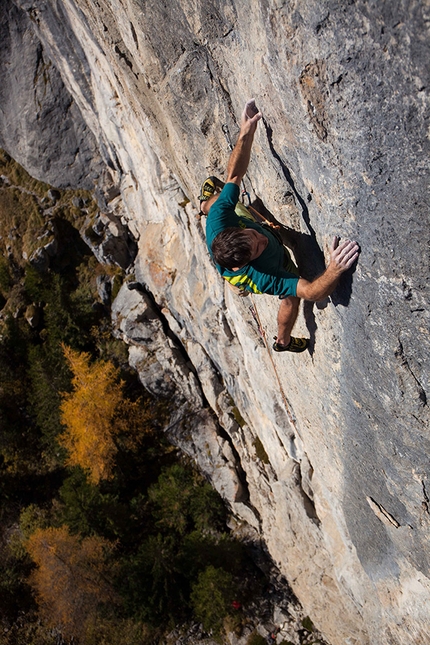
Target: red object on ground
[(236, 604)]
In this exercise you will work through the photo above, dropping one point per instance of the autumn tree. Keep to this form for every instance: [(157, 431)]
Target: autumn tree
[(70, 577), (88, 413), (95, 413)]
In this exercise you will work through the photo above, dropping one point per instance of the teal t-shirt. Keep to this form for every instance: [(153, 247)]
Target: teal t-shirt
[(265, 274)]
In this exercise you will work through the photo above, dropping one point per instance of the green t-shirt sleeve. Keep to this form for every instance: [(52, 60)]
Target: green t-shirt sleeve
[(283, 284), (228, 197)]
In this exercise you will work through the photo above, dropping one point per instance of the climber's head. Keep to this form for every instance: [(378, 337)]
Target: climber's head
[(235, 247)]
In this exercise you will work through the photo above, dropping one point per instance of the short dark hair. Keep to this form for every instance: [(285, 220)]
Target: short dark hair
[(231, 248)]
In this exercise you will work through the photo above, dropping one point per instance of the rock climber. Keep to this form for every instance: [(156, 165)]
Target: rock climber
[(251, 257)]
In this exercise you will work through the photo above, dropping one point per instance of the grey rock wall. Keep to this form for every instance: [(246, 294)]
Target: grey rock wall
[(340, 491), (40, 123)]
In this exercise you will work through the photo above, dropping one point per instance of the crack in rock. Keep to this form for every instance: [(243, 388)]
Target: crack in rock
[(382, 513)]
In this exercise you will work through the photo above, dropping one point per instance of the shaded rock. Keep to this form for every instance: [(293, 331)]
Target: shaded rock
[(104, 288), (39, 259), (51, 248), (109, 240), (134, 286), (112, 192), (161, 365), (33, 315), (40, 124), (164, 371), (78, 202), (54, 194)]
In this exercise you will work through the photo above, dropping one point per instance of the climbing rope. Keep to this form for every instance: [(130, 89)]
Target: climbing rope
[(254, 312)]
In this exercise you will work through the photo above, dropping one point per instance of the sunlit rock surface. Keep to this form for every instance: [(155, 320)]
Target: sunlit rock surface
[(325, 455)]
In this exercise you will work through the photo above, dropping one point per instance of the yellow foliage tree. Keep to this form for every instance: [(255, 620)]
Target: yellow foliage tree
[(88, 413), (96, 414), (70, 579)]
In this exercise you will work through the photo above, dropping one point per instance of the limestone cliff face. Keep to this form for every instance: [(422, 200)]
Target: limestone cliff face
[(39, 119), (325, 455)]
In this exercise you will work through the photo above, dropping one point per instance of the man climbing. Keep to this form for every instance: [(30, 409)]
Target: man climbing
[(251, 257)]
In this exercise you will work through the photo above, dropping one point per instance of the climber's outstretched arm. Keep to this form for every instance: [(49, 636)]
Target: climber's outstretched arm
[(342, 257), (239, 159)]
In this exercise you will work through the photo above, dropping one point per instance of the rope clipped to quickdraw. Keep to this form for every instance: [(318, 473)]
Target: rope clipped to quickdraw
[(227, 136)]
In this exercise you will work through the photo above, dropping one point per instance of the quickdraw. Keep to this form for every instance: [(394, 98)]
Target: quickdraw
[(227, 136), (255, 315)]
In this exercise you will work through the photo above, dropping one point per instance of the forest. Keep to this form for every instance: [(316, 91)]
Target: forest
[(107, 534)]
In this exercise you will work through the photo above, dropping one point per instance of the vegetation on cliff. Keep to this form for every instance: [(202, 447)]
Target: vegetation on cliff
[(106, 536)]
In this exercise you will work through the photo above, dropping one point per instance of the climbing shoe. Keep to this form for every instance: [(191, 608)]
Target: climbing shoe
[(295, 345), (208, 188)]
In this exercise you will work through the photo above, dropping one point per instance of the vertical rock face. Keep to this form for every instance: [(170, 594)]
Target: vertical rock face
[(39, 119), (334, 444)]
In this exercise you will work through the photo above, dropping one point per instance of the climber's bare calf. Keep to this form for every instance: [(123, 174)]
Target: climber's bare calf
[(287, 316)]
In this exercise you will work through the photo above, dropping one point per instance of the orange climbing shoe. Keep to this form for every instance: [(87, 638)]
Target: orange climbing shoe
[(296, 345)]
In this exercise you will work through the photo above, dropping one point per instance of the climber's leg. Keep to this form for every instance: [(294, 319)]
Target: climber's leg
[(287, 316)]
